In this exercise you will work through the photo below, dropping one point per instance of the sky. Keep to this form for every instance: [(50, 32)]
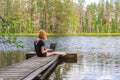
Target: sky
[(89, 1)]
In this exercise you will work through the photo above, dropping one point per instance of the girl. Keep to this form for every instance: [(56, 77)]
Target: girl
[(40, 46)]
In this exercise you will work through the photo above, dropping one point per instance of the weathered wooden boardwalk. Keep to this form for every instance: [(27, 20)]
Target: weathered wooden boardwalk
[(28, 69)]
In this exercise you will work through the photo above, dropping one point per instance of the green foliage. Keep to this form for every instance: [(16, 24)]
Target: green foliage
[(59, 16)]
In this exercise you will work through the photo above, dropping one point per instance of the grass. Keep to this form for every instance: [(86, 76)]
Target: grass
[(68, 34), (86, 34)]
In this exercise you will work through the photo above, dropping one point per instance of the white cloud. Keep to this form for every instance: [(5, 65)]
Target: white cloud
[(88, 1), (91, 1)]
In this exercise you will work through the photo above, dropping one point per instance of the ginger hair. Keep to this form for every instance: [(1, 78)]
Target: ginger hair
[(42, 35)]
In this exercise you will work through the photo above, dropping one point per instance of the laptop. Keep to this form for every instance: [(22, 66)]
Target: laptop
[(53, 46)]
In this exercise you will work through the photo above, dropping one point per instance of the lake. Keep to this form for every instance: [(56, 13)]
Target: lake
[(98, 56)]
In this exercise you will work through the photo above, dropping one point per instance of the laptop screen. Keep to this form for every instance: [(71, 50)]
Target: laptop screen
[(53, 46)]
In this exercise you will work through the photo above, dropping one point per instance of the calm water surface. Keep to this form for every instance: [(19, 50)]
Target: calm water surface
[(98, 57)]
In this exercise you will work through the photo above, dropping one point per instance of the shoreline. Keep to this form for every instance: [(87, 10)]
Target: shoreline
[(65, 34)]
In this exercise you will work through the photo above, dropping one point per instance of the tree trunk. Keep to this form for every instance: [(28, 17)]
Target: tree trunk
[(46, 17)]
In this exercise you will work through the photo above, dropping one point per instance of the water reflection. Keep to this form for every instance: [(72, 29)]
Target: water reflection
[(90, 67), (11, 57)]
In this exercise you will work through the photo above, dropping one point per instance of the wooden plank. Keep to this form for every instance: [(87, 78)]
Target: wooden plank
[(70, 57), (43, 77), (30, 54), (36, 72), (10, 78), (40, 69), (28, 69)]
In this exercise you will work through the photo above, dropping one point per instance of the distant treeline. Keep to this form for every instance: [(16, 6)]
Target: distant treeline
[(59, 16)]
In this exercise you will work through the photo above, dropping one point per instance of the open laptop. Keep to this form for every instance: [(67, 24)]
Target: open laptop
[(53, 46)]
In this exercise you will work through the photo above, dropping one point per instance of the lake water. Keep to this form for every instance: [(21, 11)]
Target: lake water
[(98, 57)]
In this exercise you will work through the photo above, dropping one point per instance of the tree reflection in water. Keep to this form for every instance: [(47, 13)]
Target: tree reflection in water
[(11, 57), (90, 66)]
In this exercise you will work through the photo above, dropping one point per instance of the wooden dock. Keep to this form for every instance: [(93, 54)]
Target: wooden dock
[(71, 57), (33, 66), (28, 69)]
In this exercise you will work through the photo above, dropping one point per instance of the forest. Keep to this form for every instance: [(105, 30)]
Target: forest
[(59, 16)]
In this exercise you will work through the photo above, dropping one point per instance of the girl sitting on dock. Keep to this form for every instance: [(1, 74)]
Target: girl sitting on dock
[(40, 46)]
